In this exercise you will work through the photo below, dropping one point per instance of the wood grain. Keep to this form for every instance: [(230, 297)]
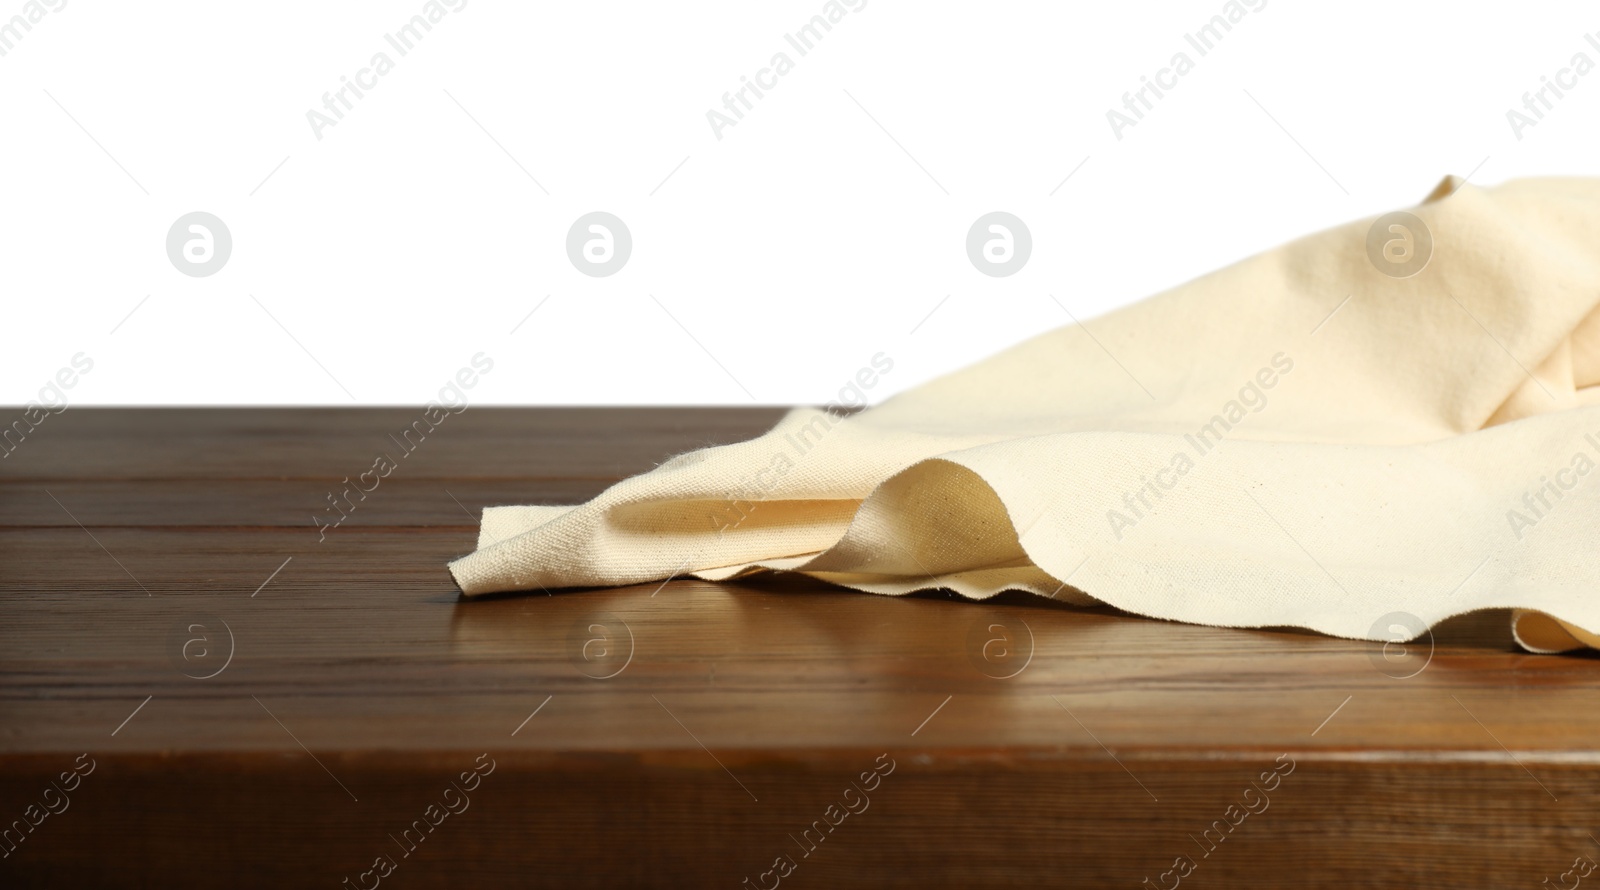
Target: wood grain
[(1094, 750)]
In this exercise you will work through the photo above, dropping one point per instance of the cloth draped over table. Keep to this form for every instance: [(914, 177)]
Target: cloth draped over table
[(1301, 439)]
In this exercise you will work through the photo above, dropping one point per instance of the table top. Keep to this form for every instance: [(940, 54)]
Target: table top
[(269, 700)]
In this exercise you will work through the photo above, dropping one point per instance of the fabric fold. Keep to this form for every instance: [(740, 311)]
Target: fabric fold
[(1396, 417)]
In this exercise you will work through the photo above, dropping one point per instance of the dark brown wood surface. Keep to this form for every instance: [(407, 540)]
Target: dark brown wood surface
[(358, 686)]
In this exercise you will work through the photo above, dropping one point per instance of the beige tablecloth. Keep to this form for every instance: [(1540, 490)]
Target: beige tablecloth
[(1361, 432)]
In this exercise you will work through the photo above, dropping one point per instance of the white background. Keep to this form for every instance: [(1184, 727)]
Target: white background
[(793, 249)]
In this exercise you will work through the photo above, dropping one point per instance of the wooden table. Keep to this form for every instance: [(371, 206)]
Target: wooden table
[(246, 703)]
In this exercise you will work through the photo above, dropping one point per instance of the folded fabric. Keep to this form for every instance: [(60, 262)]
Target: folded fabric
[(1362, 432)]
